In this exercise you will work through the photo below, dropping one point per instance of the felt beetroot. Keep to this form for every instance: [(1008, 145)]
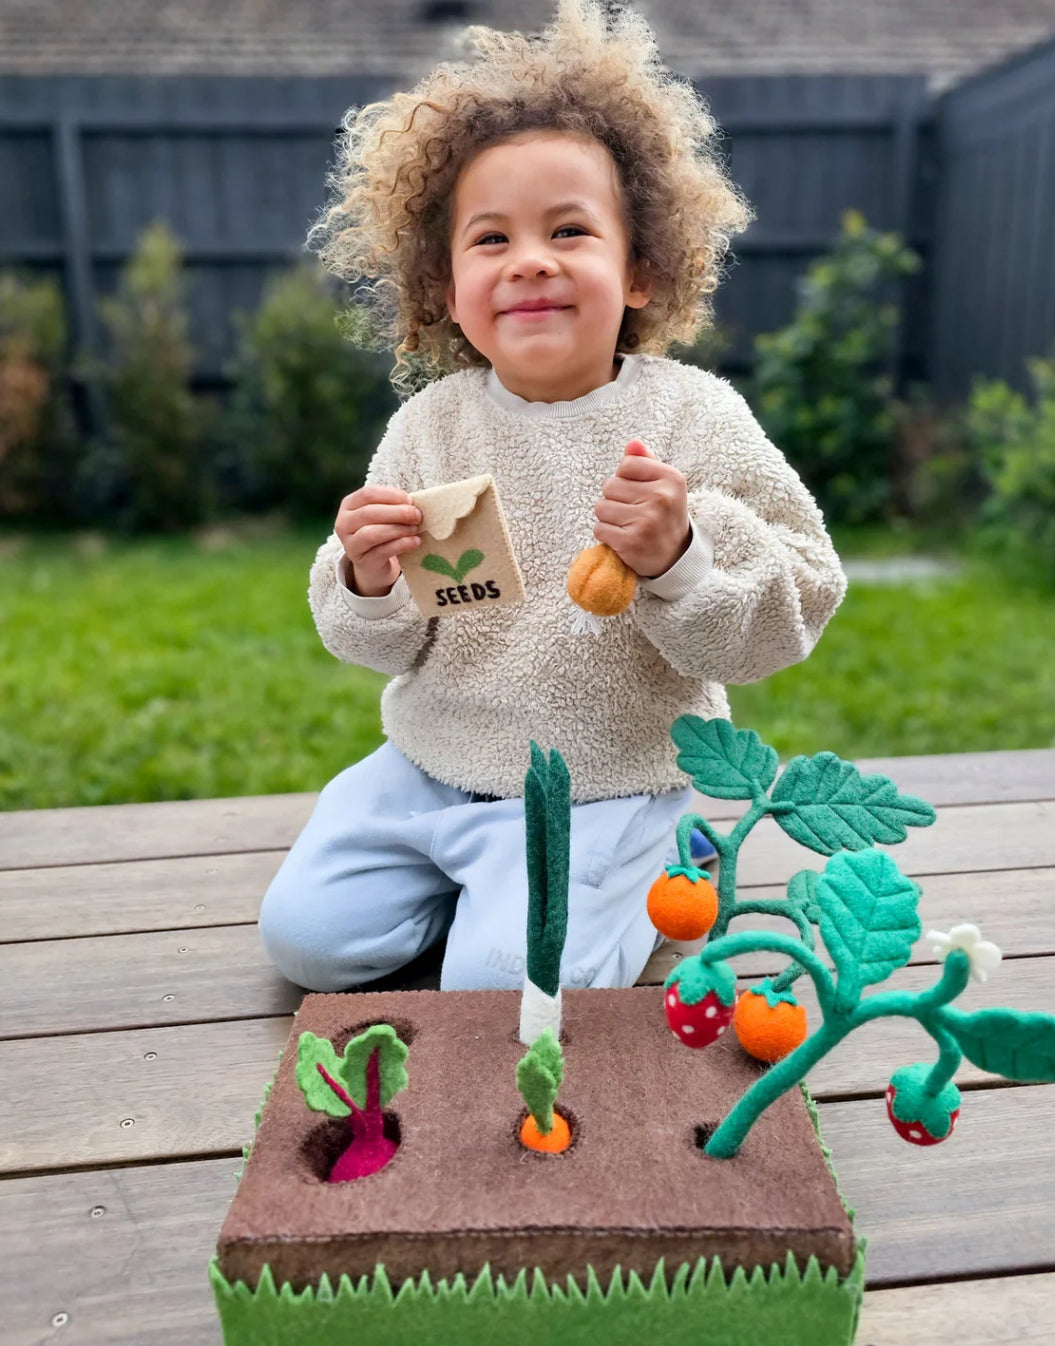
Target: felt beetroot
[(699, 1002), (920, 1116), (356, 1086)]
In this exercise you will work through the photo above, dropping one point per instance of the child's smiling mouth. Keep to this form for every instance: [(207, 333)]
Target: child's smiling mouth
[(533, 308)]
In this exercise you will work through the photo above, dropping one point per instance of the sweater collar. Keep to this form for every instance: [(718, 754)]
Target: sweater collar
[(629, 369)]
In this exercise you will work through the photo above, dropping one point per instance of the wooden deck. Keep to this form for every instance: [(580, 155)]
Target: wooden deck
[(140, 1020)]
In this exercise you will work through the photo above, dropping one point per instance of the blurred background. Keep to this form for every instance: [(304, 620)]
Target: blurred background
[(180, 413)]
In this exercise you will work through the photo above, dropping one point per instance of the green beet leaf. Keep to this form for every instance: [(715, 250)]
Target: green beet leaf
[(350, 1069), (827, 805), (724, 763), (1016, 1044), (311, 1053), (868, 919)]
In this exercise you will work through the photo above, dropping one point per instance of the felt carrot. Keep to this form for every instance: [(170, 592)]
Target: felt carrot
[(539, 1076)]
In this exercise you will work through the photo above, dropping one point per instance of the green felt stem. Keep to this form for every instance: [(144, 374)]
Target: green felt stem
[(726, 1141), (769, 941), (728, 848), (924, 1006)]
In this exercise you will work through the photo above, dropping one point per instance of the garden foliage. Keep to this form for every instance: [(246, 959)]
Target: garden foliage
[(823, 386)]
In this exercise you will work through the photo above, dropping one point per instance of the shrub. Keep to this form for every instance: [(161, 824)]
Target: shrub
[(822, 387), (1015, 439), (937, 479), (307, 407), (147, 471), (37, 428)]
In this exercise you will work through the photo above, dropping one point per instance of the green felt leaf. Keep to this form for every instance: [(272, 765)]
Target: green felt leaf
[(539, 1075), (868, 918), (379, 1037), (826, 804), (439, 566), (311, 1053), (802, 893), (1017, 1044), (547, 816), (724, 762), (468, 560)]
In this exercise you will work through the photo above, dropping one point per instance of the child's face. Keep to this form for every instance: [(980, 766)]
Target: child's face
[(537, 221)]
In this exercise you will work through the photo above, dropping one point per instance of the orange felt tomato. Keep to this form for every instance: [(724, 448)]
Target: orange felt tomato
[(768, 1032), (680, 907)]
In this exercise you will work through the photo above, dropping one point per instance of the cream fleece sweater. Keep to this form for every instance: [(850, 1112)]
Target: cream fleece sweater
[(750, 596)]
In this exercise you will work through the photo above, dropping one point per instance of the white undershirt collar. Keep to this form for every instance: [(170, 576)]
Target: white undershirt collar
[(629, 369)]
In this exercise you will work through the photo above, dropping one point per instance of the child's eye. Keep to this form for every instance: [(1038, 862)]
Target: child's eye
[(569, 229), (491, 238)]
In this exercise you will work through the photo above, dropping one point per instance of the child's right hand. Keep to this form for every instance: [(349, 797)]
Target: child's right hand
[(376, 524)]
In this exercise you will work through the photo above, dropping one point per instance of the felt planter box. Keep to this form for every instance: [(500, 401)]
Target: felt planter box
[(633, 1229)]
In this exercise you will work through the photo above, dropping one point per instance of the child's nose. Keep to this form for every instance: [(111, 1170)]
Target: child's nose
[(530, 264)]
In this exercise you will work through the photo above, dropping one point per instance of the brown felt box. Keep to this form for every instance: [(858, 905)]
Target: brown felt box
[(461, 1191), (465, 562)]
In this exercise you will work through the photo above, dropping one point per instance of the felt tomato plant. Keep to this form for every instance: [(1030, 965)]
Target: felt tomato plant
[(357, 1086)]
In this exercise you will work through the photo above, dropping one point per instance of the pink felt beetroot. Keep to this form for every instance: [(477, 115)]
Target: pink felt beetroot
[(699, 1002), (356, 1086)]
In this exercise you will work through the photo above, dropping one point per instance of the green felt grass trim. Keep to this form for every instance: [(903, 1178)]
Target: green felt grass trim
[(547, 818), (539, 1075), (700, 1306)]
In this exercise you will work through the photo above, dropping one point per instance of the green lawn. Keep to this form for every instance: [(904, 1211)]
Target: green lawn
[(172, 670)]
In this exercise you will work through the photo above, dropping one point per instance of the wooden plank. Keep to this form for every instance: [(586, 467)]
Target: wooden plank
[(193, 1090), (1014, 908), (38, 837), (131, 981), (1004, 1311), (135, 895), (221, 972), (981, 1204), (133, 1243), (157, 1093)]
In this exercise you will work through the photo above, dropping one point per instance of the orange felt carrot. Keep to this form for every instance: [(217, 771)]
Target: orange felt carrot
[(554, 1141)]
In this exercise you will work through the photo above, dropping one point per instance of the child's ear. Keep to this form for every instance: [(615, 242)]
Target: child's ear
[(449, 297), (641, 288)]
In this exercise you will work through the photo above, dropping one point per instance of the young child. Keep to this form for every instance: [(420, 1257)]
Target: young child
[(541, 223)]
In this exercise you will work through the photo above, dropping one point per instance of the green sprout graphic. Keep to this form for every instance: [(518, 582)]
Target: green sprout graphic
[(468, 560)]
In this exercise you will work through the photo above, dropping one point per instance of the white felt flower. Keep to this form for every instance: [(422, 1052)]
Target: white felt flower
[(982, 956)]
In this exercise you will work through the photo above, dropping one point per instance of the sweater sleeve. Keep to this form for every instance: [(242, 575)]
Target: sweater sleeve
[(775, 579), (388, 633)]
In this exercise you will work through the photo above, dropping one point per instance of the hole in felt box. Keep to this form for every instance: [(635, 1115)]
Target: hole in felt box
[(337, 1150), (702, 1133)]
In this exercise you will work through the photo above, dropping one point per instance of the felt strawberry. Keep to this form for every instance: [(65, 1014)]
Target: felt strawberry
[(917, 1116), (699, 1002)]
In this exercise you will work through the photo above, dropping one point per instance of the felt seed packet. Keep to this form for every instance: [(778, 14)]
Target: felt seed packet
[(465, 562)]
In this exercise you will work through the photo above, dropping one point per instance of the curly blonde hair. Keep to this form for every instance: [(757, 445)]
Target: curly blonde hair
[(589, 73)]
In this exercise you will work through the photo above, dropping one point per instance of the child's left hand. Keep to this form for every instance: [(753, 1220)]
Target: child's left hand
[(643, 514)]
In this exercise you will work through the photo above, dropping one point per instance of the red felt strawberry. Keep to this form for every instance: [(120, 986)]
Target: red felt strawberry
[(699, 1001), (919, 1117)]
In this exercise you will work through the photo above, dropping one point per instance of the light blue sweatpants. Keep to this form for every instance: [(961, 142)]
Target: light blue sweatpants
[(391, 860)]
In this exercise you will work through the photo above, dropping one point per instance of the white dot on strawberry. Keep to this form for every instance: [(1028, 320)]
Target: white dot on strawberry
[(688, 1028), (672, 999), (710, 1011), (916, 1135), (721, 1030)]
